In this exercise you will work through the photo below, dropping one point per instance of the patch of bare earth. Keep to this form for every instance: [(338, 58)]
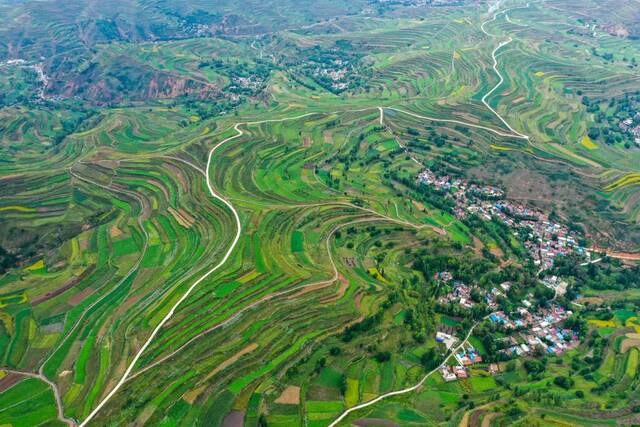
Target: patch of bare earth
[(180, 218), (344, 285), (80, 296), (486, 421), (468, 117), (328, 137), (115, 231), (308, 289), (632, 341), (70, 284), (289, 396), (9, 381), (590, 300), (234, 419)]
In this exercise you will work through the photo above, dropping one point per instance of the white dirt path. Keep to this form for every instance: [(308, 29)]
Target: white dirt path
[(404, 390), (239, 133)]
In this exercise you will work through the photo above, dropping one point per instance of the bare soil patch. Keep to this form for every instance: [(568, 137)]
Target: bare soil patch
[(177, 215), (193, 394), (178, 174), (328, 137), (160, 186), (628, 344), (234, 419), (468, 117), (289, 396), (590, 300), (344, 285), (486, 421), (80, 296), (115, 231), (70, 284), (230, 361), (187, 216), (350, 261), (308, 289), (9, 381)]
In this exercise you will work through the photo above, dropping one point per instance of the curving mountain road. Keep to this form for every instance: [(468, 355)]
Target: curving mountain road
[(404, 390), (214, 194), (495, 69), (514, 134)]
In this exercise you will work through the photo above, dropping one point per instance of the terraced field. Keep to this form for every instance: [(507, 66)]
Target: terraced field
[(257, 266)]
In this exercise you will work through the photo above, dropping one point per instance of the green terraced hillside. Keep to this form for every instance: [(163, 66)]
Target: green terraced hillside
[(330, 213)]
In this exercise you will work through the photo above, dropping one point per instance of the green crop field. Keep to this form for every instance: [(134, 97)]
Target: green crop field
[(210, 211)]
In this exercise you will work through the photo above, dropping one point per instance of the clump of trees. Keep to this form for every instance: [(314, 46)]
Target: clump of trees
[(8, 260)]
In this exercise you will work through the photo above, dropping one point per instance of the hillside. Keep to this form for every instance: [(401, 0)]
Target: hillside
[(420, 212)]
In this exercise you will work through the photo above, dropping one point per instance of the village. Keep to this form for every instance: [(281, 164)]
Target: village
[(545, 240), (41, 77), (336, 72), (530, 328), (632, 126)]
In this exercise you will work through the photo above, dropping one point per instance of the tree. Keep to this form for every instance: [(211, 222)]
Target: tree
[(564, 382), (429, 359), (343, 384), (534, 367), (383, 356)]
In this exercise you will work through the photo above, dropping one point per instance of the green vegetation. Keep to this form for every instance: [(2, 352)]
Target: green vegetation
[(321, 114)]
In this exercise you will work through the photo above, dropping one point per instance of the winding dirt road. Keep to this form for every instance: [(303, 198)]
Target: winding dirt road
[(514, 134), (408, 389), (234, 242), (495, 69), (54, 387), (168, 316), (214, 194)]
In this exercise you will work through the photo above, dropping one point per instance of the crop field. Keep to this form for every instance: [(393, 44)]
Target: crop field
[(204, 232)]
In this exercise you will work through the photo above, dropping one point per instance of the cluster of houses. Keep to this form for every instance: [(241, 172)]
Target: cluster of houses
[(452, 373), (41, 76), (538, 329), (336, 71), (458, 186), (529, 331), (462, 294), (466, 357), (545, 239), (632, 126), (529, 328), (337, 77), (251, 82), (556, 283)]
